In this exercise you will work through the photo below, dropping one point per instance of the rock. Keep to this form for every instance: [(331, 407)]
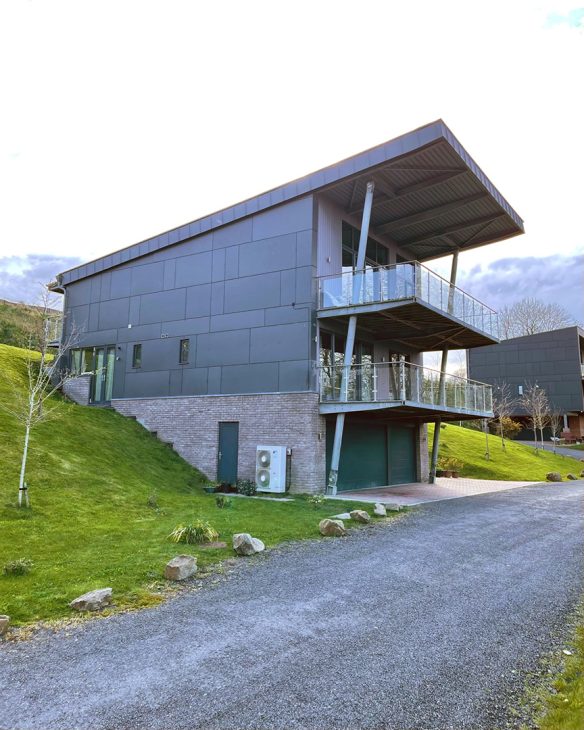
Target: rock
[(571, 476), (180, 567), (342, 516), (4, 622), (332, 528), (359, 515), (392, 506), (379, 510), (92, 601), (245, 544), (553, 476)]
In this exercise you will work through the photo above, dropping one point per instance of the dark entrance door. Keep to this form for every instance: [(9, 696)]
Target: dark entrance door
[(402, 455), (227, 454)]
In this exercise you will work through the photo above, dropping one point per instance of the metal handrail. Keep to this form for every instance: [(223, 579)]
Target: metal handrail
[(408, 280), (400, 381)]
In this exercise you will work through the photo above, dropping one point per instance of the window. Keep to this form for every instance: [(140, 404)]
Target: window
[(183, 353), (137, 356), (376, 254), (81, 361)]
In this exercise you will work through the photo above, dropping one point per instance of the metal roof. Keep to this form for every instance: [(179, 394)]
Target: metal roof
[(430, 198)]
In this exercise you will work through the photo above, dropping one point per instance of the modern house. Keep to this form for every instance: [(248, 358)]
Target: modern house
[(552, 360), (299, 318)]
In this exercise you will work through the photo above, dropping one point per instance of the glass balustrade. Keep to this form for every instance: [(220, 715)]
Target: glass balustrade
[(401, 381), (406, 281)]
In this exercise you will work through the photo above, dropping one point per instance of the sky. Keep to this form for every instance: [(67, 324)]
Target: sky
[(125, 119)]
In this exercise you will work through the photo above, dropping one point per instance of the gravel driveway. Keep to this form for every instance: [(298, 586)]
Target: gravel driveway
[(429, 622)]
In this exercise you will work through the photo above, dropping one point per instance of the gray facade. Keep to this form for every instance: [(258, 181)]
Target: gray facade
[(552, 360), (224, 319), (243, 295)]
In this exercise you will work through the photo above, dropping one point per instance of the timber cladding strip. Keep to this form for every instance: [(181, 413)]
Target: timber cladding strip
[(191, 424)]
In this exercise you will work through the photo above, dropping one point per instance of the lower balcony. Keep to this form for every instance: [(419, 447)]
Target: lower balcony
[(406, 389)]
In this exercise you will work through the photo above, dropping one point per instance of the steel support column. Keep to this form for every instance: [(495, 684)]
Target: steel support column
[(443, 365), (350, 342)]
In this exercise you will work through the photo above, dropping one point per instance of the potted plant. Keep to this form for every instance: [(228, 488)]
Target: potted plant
[(442, 467), (455, 465), (211, 487)]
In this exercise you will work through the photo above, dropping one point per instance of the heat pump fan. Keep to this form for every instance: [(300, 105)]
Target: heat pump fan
[(271, 468)]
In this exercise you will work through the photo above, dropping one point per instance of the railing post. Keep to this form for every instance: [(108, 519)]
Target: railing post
[(374, 382)]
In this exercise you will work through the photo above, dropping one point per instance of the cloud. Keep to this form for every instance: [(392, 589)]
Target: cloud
[(21, 277), (573, 18), (552, 279)]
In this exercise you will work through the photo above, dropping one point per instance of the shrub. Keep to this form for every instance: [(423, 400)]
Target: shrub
[(246, 487), (511, 428), (152, 501), (18, 567), (449, 463), (222, 501), (316, 500), (193, 533)]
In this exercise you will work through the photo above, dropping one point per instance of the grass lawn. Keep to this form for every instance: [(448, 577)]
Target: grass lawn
[(577, 447), (517, 463), (90, 475), (562, 706)]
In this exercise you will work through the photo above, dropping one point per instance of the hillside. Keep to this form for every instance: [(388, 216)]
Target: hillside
[(518, 462), (91, 474), (17, 322)]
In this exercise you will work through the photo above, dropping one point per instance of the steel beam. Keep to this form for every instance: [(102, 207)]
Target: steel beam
[(350, 341), (443, 364)]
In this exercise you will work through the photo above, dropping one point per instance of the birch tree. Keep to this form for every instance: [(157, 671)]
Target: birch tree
[(535, 403), (556, 422), (504, 405), (45, 375)]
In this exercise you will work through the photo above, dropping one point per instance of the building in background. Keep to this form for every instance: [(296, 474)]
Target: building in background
[(552, 360), (299, 318)]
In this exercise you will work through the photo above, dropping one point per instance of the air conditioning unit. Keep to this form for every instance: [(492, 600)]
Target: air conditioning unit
[(271, 468)]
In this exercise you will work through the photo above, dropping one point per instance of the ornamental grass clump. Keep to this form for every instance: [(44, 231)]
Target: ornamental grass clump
[(22, 566), (194, 533)]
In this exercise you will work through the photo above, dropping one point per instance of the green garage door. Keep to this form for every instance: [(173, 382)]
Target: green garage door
[(364, 455)]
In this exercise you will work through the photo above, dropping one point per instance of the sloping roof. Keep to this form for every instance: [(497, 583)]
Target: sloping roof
[(431, 198)]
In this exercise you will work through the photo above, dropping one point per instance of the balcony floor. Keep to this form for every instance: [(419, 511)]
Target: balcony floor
[(406, 410), (410, 322)]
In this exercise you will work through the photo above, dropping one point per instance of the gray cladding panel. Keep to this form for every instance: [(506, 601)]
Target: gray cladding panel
[(252, 292), (138, 384), (147, 278), (113, 313), (196, 269), (280, 343), (271, 254), (164, 306), (223, 348), (233, 293), (262, 378)]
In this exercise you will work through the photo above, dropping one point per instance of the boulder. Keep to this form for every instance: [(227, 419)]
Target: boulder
[(180, 567), (342, 516), (245, 544), (392, 506), (332, 528), (571, 476), (359, 515), (379, 510), (92, 601), (553, 476), (4, 622)]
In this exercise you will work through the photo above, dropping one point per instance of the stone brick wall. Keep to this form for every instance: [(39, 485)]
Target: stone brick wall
[(78, 389), (191, 423)]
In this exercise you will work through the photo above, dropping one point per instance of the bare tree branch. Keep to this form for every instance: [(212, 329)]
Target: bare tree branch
[(529, 316)]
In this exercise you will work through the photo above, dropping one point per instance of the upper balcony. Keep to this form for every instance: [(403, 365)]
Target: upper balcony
[(410, 304), (406, 389)]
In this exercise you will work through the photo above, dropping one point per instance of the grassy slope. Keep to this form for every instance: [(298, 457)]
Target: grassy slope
[(90, 475), (518, 463), (16, 322)]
